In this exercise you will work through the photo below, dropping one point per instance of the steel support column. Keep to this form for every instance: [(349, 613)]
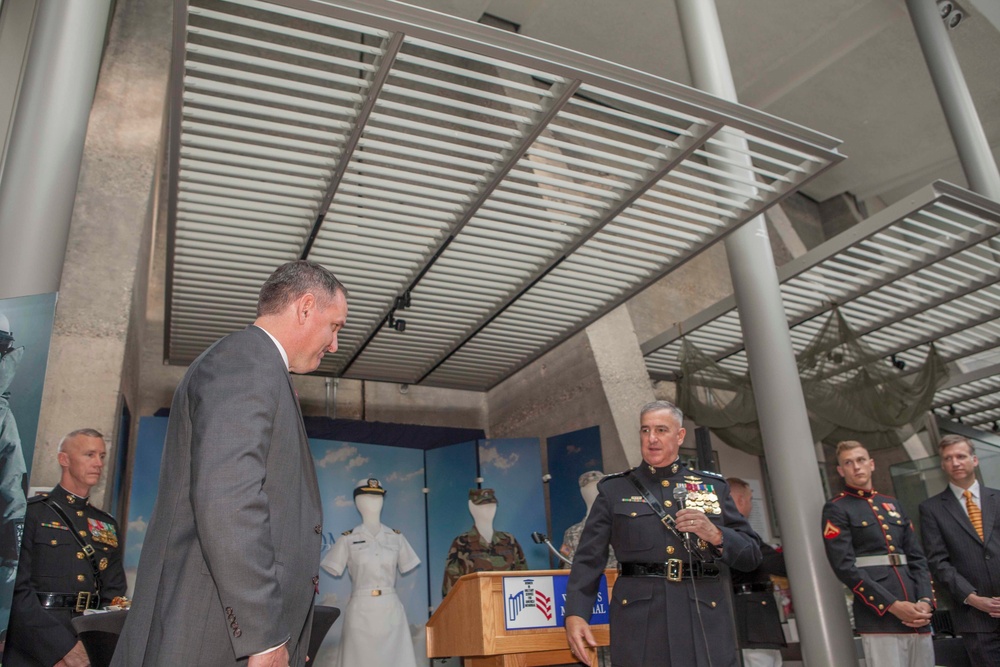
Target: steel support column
[(38, 187), (824, 628), (956, 101)]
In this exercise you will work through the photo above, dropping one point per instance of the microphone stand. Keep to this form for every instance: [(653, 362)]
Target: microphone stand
[(541, 538)]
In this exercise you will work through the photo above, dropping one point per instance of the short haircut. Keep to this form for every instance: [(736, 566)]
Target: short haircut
[(737, 483), (89, 432), (290, 281), (656, 406), (846, 446), (955, 439)]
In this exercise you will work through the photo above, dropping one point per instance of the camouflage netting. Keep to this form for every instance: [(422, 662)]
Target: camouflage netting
[(851, 392)]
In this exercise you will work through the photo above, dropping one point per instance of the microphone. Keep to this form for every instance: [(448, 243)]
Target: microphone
[(680, 497), (541, 538)]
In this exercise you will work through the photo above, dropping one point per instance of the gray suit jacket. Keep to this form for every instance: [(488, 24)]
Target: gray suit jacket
[(959, 559), (232, 550)]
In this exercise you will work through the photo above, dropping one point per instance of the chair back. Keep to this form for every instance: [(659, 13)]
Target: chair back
[(323, 619)]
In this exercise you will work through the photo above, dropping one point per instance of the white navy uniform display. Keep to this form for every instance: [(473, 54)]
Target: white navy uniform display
[(376, 632)]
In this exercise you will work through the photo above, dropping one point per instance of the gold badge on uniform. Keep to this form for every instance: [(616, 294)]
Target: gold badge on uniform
[(103, 565)]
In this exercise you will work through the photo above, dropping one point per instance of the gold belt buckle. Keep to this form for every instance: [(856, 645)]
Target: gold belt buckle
[(675, 569), (377, 592), (82, 601)]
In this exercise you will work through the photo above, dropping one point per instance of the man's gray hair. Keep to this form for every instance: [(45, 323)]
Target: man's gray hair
[(293, 279), (89, 432), (656, 406)]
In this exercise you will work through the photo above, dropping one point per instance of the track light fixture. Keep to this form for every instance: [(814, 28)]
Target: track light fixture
[(951, 13), (898, 363), (951, 410), (996, 427), (402, 301)]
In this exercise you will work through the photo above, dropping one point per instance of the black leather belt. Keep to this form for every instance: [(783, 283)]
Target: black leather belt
[(75, 601), (745, 589), (673, 570)]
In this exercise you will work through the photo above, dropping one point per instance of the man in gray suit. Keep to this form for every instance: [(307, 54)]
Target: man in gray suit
[(230, 563), (961, 533)]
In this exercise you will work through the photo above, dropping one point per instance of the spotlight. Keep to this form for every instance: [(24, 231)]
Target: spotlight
[(996, 427), (951, 13), (398, 325), (952, 410), (898, 363)]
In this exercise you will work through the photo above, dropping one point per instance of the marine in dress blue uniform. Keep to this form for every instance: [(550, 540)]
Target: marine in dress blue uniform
[(56, 579), (872, 549), (668, 607)]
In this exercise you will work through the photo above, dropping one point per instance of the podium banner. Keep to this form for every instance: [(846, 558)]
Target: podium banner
[(539, 602)]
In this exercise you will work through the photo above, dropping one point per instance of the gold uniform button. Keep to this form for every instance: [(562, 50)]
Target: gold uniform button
[(885, 527), (670, 550), (881, 606), (53, 543), (862, 589), (892, 548), (871, 597), (764, 602), (80, 577), (80, 513), (712, 604), (665, 482), (79, 555), (83, 533), (667, 503), (624, 602), (871, 502), (889, 537), (864, 523), (632, 514), (881, 518)]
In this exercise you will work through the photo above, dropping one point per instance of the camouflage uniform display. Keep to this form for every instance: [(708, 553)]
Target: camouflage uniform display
[(571, 540), (469, 552)]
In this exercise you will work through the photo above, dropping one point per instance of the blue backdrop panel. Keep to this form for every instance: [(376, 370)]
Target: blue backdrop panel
[(451, 472), (145, 482), (513, 467), (339, 467), (570, 455)]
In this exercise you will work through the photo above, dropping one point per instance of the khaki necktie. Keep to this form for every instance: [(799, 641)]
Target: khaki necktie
[(975, 515)]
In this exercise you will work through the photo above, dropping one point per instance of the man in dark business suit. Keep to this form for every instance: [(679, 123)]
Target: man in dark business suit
[(961, 533), (230, 562)]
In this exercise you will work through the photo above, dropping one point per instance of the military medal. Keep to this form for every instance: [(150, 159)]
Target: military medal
[(102, 532)]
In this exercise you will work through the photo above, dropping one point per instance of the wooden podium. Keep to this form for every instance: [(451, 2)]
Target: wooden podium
[(470, 623)]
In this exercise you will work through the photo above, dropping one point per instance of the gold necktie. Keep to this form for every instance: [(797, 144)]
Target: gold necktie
[(975, 515)]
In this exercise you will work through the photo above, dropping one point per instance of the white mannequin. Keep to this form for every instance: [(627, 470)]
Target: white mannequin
[(589, 493), (483, 517), (370, 508)]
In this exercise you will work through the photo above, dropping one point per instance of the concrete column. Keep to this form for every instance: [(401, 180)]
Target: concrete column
[(623, 374), (820, 610), (93, 359), (43, 158), (956, 101)]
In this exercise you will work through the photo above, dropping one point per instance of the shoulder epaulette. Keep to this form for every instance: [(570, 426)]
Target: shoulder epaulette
[(711, 474), (615, 474), (37, 498), (347, 532), (107, 514)]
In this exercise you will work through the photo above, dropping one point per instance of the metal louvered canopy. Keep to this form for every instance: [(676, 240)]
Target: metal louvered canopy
[(923, 270), (516, 191), (972, 398)]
